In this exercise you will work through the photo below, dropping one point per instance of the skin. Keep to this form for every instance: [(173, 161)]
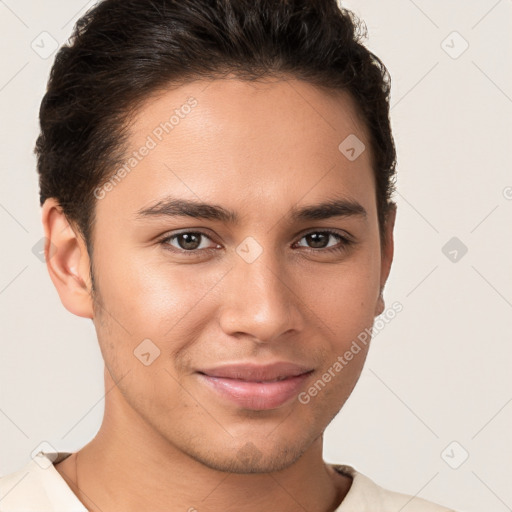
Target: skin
[(167, 441)]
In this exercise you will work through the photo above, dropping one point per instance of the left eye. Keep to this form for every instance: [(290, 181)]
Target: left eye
[(319, 238)]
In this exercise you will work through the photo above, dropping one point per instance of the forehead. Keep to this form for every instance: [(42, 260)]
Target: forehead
[(245, 141)]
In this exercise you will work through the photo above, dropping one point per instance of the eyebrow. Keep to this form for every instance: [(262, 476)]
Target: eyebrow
[(174, 207)]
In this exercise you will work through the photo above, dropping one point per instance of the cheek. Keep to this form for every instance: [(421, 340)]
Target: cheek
[(345, 297), (149, 295), (152, 299)]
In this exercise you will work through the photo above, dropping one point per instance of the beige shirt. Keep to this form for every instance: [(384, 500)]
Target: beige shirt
[(39, 487)]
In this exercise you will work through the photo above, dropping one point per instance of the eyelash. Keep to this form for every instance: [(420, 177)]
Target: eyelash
[(345, 243)]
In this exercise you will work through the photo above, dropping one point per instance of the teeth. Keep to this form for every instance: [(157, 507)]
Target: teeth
[(274, 380)]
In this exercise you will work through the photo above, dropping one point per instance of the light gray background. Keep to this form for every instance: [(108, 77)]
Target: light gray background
[(438, 373)]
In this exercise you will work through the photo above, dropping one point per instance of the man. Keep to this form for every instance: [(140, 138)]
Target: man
[(216, 183)]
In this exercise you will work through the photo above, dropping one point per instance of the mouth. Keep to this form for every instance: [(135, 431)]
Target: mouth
[(256, 387)]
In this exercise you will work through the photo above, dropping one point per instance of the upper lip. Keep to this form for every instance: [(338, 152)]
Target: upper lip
[(257, 373)]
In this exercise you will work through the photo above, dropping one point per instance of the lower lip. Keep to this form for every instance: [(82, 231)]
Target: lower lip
[(257, 396)]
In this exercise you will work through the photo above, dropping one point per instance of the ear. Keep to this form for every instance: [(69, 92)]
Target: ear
[(67, 260), (387, 250)]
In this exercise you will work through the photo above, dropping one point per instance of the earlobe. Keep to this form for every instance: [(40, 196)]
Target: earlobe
[(387, 252), (67, 260), (381, 305)]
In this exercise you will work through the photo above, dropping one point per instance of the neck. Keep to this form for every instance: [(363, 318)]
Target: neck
[(130, 467)]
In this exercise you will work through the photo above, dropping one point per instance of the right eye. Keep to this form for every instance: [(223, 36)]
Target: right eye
[(188, 242)]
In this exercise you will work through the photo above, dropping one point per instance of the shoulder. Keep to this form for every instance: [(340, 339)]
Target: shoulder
[(19, 488), (38, 487), (366, 496)]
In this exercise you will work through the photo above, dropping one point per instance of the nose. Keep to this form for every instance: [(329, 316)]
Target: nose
[(260, 299)]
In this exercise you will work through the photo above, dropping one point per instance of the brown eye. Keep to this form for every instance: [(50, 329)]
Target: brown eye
[(187, 241), (320, 240)]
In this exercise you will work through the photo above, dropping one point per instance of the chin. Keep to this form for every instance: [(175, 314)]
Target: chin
[(249, 458)]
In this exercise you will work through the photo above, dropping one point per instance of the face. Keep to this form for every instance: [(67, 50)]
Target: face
[(199, 309)]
